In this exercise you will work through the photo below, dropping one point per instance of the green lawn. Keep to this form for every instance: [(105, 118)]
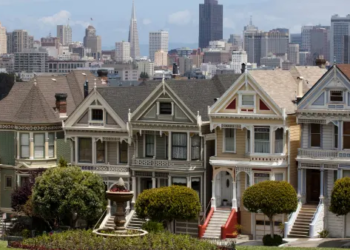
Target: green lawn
[(3, 246)]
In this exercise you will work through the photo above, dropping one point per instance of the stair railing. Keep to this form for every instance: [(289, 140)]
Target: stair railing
[(317, 223), (229, 229), (100, 220), (291, 220), (206, 218), (205, 213)]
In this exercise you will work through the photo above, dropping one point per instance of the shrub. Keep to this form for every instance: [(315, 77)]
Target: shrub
[(271, 198), (168, 204), (275, 241), (323, 234), (340, 199), (153, 227)]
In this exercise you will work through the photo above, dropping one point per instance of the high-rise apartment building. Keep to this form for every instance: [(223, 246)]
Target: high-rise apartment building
[(92, 41), (19, 40), (64, 34), (185, 65), (134, 35), (238, 58), (145, 66), (236, 41), (305, 38), (211, 22), (340, 27), (122, 52), (296, 39), (3, 40), (320, 43), (31, 61), (293, 53), (347, 49), (160, 58), (158, 41)]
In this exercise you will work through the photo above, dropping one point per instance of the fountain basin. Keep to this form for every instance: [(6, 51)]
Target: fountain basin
[(120, 233), (119, 196)]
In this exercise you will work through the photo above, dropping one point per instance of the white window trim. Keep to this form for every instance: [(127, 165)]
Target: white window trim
[(270, 138), (104, 121), (337, 102), (274, 176), (261, 172), (224, 141), (5, 184), (154, 146), (247, 106)]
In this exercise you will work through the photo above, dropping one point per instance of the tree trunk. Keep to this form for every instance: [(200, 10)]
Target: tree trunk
[(272, 229)]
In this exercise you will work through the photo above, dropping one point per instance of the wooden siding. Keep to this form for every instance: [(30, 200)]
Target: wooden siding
[(84, 118), (110, 120), (6, 192), (7, 148), (112, 153), (327, 136), (241, 136), (294, 134), (246, 216)]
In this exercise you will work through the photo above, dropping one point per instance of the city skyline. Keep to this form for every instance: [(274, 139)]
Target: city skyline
[(180, 18)]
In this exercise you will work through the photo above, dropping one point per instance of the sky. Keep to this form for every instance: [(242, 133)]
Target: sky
[(111, 18)]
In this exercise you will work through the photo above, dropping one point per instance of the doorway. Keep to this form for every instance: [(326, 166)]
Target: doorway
[(313, 186), (226, 188), (145, 183)]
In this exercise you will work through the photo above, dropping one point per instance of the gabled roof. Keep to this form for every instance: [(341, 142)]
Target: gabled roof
[(72, 84), (345, 69), (310, 73)]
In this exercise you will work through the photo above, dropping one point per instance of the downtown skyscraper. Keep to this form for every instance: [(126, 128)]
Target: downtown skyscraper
[(340, 28), (211, 22), (134, 35)]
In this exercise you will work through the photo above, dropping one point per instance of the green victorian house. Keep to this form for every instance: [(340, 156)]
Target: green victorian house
[(31, 135)]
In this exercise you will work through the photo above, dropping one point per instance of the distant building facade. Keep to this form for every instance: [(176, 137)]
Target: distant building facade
[(92, 41), (64, 34), (160, 58), (340, 27), (158, 41), (18, 41), (31, 60), (293, 53), (238, 58), (3, 40), (296, 38), (122, 51)]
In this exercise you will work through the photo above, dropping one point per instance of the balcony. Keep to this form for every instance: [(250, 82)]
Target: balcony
[(166, 164), (323, 154), (110, 169)]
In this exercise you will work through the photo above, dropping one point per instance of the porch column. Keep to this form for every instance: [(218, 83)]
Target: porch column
[(299, 183), (153, 180), (213, 202), (340, 135), (76, 149), (133, 179), (188, 181), (234, 195), (340, 173), (18, 145), (322, 184)]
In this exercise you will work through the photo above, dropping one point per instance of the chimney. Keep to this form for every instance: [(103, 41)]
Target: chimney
[(243, 68), (300, 88), (61, 104), (175, 71), (86, 89), (321, 62), (103, 74)]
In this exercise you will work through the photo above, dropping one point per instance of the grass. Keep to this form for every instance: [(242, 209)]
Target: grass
[(3, 246)]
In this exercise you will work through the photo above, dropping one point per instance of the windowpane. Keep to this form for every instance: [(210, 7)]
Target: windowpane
[(315, 135), (196, 185), (346, 135), (179, 181), (85, 150), (196, 146), (165, 108), (97, 115), (51, 145), (279, 141), (336, 96), (262, 140), (100, 152), (248, 100), (179, 146), (123, 152), (261, 177), (229, 140), (8, 182), (149, 145), (25, 146), (248, 141), (279, 177), (335, 136), (39, 146)]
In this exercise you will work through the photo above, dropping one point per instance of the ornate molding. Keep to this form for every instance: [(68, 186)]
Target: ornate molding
[(247, 116), (30, 127), (243, 169)]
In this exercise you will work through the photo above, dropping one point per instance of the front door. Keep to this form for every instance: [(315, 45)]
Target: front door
[(226, 188), (313, 186)]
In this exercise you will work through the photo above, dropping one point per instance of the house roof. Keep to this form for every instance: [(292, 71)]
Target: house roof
[(345, 69), (311, 74), (29, 103), (197, 95)]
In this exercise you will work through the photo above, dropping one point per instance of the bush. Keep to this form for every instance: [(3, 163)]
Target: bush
[(275, 241), (340, 199), (153, 227), (77, 240), (323, 234)]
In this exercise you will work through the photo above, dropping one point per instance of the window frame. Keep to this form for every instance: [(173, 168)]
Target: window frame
[(200, 185), (167, 113), (154, 145), (193, 148), (179, 177), (21, 145), (97, 150), (262, 127), (345, 136), (275, 149), (320, 135), (342, 95), (120, 150), (92, 114), (6, 178), (91, 152), (248, 106), (282, 173), (267, 173), (51, 145), (335, 136), (172, 147), (224, 140), (43, 146)]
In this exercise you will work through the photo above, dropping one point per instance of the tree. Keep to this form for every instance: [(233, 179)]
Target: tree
[(144, 76), (340, 198), (66, 194), (168, 203), (6, 84), (271, 198)]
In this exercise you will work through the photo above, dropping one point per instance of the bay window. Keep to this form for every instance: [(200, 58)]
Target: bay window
[(346, 135), (51, 145), (39, 146), (279, 141), (262, 140), (100, 152), (179, 146), (24, 147), (315, 131), (123, 152), (229, 140), (85, 150), (149, 145), (195, 147)]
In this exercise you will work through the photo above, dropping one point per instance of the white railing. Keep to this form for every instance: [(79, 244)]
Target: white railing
[(317, 224), (103, 168), (267, 158), (289, 224), (323, 154), (166, 164)]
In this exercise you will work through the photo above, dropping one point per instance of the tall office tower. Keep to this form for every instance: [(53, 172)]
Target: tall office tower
[(211, 22), (347, 49), (274, 42), (3, 40), (252, 45), (250, 28), (134, 35), (296, 38), (122, 51), (92, 41), (158, 41), (320, 43), (305, 38), (305, 58), (293, 53), (282, 30), (19, 40), (340, 27), (236, 41), (64, 34)]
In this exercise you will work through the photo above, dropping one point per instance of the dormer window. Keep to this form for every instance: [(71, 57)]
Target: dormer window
[(165, 108), (97, 115), (248, 100), (336, 96)]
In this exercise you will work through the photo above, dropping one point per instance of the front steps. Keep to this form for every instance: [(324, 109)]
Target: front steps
[(301, 227), (136, 222), (218, 219)]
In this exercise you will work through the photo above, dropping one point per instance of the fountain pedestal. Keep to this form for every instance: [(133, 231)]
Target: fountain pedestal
[(119, 198)]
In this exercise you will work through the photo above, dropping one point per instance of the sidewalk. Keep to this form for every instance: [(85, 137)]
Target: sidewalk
[(317, 242)]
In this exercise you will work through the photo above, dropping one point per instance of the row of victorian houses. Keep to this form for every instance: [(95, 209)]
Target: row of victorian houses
[(216, 136)]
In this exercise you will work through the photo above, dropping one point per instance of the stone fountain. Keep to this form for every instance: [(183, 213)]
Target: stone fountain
[(120, 195)]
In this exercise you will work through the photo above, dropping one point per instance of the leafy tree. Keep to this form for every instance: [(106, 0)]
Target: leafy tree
[(66, 194), (271, 198), (340, 198), (168, 203), (6, 84), (144, 76)]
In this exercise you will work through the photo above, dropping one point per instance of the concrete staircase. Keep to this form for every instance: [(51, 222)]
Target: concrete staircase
[(301, 227), (218, 219), (136, 222)]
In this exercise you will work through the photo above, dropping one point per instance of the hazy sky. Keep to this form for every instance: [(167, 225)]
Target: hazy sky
[(179, 17)]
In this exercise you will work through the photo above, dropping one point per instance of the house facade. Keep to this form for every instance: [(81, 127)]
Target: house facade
[(324, 156)]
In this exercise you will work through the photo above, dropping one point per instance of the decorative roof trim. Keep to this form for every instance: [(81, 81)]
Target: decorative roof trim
[(30, 127), (246, 116)]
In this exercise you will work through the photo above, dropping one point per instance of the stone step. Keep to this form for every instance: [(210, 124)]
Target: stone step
[(303, 231), (297, 236), (301, 226)]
